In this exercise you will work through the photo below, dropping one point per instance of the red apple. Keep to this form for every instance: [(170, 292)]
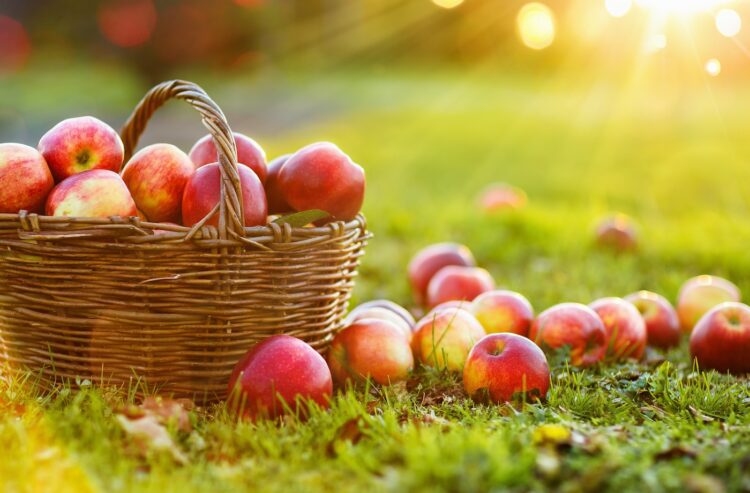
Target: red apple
[(249, 153), (370, 348), (203, 192), (458, 283), (428, 261), (394, 307), (721, 339), (466, 305), (25, 179), (280, 372), (503, 366), (503, 311), (276, 202), (501, 196), (380, 313), (700, 294), (156, 177), (443, 340), (626, 330), (95, 193), (573, 326), (81, 144), (617, 233), (321, 176), (662, 324)]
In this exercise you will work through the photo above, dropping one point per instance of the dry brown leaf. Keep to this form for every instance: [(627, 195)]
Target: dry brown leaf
[(148, 434)]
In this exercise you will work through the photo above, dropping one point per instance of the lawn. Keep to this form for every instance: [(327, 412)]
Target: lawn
[(581, 149)]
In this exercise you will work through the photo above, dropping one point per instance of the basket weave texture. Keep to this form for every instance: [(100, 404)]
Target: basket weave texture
[(171, 308)]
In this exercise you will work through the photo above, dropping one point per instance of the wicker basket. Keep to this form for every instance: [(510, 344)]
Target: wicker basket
[(114, 301)]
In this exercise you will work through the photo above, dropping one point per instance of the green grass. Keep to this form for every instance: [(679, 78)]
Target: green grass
[(679, 165)]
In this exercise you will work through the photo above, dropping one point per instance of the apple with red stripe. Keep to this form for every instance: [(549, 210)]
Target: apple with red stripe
[(25, 179), (574, 327), (443, 339), (428, 261), (249, 153), (94, 193), (626, 330), (662, 323)]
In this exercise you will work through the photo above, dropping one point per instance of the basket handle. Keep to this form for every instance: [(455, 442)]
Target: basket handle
[(229, 207)]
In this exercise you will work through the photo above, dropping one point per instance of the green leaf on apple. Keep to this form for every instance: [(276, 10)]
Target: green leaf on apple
[(299, 219)]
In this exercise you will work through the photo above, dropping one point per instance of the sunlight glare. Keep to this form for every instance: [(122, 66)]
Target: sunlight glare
[(448, 4), (536, 25), (656, 42), (713, 67), (618, 8), (680, 7), (728, 22)]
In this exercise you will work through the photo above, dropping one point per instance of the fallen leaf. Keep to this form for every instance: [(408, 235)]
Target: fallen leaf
[(148, 434), (675, 452), (168, 411), (351, 431)]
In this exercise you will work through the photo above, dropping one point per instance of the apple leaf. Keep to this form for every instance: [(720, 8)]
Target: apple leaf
[(299, 219)]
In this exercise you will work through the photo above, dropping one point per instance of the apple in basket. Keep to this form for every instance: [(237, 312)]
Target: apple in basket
[(276, 202), (443, 339), (321, 176), (94, 193), (428, 261), (249, 153), (279, 374), (25, 179), (370, 348), (203, 192), (156, 177), (81, 144)]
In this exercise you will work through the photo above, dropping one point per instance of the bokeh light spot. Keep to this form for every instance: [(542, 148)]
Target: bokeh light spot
[(713, 67), (536, 25), (15, 46), (728, 22), (448, 4), (656, 42), (618, 8), (127, 23)]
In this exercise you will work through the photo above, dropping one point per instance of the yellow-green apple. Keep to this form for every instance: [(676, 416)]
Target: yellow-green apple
[(279, 373), (380, 313), (370, 348), (700, 294), (503, 311), (25, 179), (574, 327), (458, 283), (443, 340), (94, 193), (618, 233), (203, 192), (156, 177), (503, 366), (81, 144), (249, 153), (394, 307), (276, 202), (321, 176), (721, 339), (626, 330), (428, 261), (662, 323), (501, 196)]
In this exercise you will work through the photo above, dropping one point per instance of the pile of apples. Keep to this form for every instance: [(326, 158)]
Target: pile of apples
[(78, 170), (490, 336)]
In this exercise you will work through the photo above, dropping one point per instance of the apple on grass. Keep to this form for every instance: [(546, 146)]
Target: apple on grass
[(503, 311), (380, 313), (617, 233), (428, 261), (571, 326), (249, 153), (280, 374), (662, 323), (156, 177), (321, 176), (203, 191), (81, 144), (25, 179), (626, 330), (370, 348), (95, 193), (443, 339), (501, 196), (721, 339), (392, 306), (503, 366), (699, 294), (458, 283)]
